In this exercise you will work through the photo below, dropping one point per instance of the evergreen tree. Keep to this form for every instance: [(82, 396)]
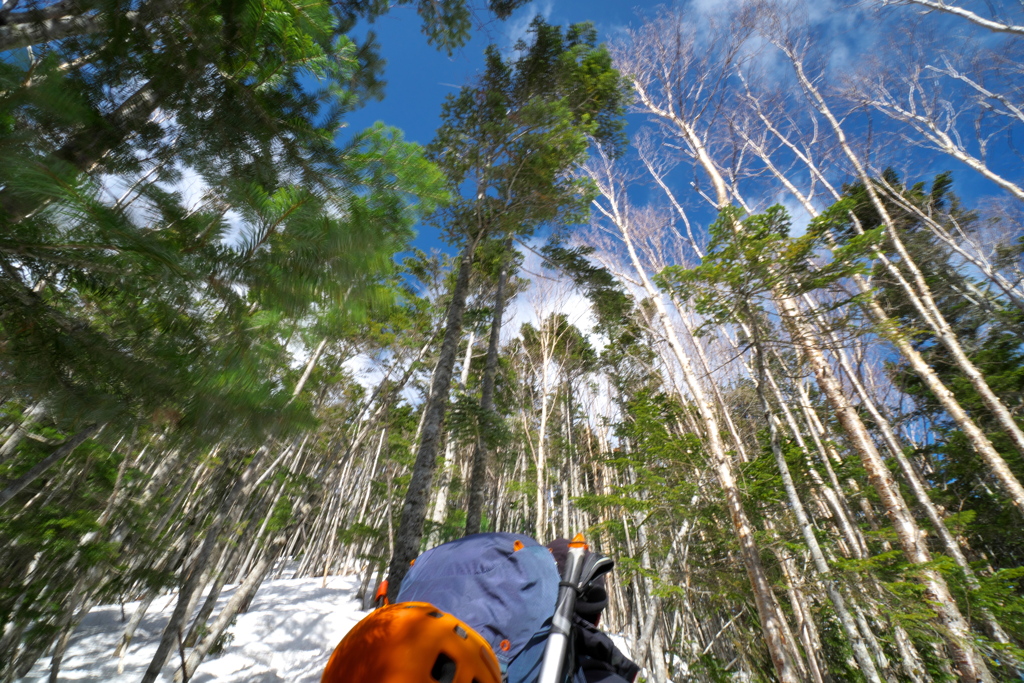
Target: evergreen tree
[(154, 304), (507, 145)]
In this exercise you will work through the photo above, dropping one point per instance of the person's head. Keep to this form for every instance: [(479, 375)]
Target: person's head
[(412, 642)]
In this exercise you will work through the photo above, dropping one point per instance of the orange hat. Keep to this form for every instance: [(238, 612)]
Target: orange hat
[(412, 642)]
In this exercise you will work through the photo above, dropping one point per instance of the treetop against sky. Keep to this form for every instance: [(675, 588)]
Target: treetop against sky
[(419, 77), (805, 454)]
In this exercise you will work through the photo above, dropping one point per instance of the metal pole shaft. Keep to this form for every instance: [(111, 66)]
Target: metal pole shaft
[(552, 668)]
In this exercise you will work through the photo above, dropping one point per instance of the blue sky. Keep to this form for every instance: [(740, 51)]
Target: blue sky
[(419, 76)]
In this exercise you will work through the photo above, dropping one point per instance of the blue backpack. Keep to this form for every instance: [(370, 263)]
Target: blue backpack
[(503, 585)]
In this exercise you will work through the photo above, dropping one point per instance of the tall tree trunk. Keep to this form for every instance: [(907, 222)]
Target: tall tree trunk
[(971, 666), (84, 150), (969, 663), (478, 477), (310, 365), (70, 19), (919, 293), (229, 563), (771, 622), (649, 645), (195, 576), (444, 481), (414, 510), (243, 595), (849, 625), (976, 437), (17, 432), (13, 488), (918, 487), (140, 612), (541, 456)]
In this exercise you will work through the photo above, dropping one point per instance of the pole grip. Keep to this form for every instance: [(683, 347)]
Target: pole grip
[(553, 667)]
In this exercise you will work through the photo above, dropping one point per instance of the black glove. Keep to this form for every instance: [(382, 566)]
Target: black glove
[(597, 653)]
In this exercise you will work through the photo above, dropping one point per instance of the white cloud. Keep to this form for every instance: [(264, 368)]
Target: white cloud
[(797, 213), (517, 28), (715, 8), (365, 370), (549, 292), (192, 187)]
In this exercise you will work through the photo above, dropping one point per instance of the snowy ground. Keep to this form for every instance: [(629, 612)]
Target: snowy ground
[(288, 634)]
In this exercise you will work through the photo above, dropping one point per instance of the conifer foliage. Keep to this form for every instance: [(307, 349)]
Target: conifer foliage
[(767, 355)]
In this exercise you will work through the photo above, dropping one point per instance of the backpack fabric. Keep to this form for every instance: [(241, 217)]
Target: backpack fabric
[(502, 585)]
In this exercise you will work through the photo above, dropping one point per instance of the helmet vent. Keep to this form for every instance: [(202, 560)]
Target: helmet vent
[(461, 632), (443, 670), (435, 614)]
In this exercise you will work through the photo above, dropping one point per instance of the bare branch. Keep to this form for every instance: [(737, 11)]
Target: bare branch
[(942, 6)]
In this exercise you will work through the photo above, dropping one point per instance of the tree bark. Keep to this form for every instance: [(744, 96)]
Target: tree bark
[(918, 487), (891, 330), (444, 481), (49, 24), (994, 26), (414, 510), (770, 618), (85, 149), (919, 293), (26, 30), (13, 488), (16, 433), (478, 477), (849, 625), (541, 453), (970, 665), (243, 594), (192, 581)]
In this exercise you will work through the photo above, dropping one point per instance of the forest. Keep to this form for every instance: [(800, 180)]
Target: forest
[(736, 291)]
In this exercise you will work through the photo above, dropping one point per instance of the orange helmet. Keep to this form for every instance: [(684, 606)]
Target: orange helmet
[(412, 642)]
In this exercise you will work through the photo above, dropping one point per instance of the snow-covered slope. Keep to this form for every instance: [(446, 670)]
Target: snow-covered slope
[(288, 634)]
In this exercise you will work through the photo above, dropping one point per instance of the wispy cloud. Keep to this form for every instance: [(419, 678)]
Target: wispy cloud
[(365, 371), (549, 292), (799, 217), (517, 28)]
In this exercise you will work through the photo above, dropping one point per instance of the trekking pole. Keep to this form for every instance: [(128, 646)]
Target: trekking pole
[(552, 669)]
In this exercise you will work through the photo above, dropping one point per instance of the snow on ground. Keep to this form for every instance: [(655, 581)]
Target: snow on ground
[(288, 634), (621, 642)]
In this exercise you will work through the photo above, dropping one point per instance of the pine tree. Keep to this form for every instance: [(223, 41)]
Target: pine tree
[(511, 139)]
